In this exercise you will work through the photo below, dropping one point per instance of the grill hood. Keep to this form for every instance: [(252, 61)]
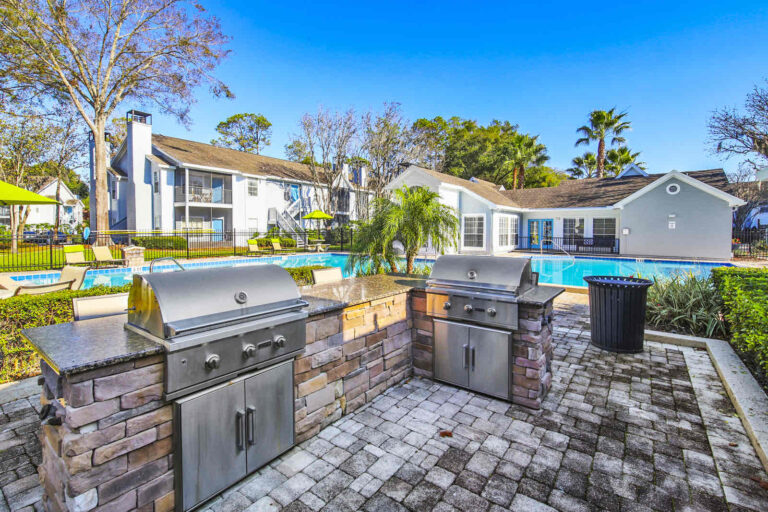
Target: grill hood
[(483, 273), (172, 304)]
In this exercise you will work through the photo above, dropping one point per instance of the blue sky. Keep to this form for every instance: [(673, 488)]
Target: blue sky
[(542, 65)]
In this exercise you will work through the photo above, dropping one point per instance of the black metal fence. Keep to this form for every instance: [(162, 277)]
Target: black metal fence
[(569, 244), (750, 243), (44, 251)]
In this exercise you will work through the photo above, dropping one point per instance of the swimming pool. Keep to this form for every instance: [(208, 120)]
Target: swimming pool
[(552, 269)]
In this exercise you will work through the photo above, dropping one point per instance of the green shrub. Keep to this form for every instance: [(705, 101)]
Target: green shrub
[(686, 304), (19, 359), (16, 313), (745, 301), (285, 242), (303, 275), (160, 242)]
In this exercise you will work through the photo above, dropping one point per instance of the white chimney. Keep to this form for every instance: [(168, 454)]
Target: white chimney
[(138, 142)]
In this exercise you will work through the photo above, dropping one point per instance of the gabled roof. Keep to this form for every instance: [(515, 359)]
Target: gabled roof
[(485, 189), (596, 192), (206, 155)]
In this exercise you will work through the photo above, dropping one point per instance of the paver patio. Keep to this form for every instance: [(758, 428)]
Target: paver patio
[(651, 431)]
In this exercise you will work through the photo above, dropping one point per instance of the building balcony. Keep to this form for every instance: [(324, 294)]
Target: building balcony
[(204, 195)]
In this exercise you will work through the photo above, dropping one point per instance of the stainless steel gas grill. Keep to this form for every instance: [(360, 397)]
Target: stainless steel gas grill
[(230, 336), (475, 302)]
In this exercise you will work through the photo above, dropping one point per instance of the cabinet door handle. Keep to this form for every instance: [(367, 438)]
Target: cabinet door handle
[(472, 350), (239, 427), (249, 424), (464, 349)]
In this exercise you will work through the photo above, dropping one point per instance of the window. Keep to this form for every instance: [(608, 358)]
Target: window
[(673, 188), (253, 187), (114, 190), (604, 228), (155, 182), (507, 227), (473, 231), (573, 228)]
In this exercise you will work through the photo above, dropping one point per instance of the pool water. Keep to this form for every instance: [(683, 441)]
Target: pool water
[(552, 269)]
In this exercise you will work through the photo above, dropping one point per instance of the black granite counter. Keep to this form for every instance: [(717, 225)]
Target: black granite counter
[(323, 298), (76, 347)]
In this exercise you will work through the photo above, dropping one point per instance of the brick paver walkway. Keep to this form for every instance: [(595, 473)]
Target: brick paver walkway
[(652, 431)]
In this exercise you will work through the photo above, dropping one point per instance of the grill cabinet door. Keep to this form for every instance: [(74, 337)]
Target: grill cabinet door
[(451, 352), (269, 414), (489, 361), (208, 427)]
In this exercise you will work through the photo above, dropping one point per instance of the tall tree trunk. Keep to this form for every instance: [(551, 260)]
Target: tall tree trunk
[(409, 259), (521, 177), (600, 158), (57, 222), (14, 240), (100, 170), (514, 178)]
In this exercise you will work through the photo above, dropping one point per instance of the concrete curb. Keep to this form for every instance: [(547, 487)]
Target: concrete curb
[(746, 394)]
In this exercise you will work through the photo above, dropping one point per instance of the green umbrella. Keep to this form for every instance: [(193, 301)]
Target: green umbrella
[(317, 215), (13, 195)]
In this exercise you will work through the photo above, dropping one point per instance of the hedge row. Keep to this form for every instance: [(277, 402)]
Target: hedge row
[(16, 313), (160, 242), (266, 243), (745, 303)]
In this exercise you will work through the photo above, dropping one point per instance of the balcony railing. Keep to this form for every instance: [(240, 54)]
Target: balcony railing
[(571, 244), (203, 195)]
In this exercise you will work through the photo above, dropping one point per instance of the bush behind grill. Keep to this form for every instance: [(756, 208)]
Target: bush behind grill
[(16, 313)]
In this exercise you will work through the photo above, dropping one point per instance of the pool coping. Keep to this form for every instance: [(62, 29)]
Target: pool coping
[(747, 396)]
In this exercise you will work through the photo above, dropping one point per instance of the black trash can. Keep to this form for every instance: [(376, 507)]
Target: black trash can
[(617, 312)]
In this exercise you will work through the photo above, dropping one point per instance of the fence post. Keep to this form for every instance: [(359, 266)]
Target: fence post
[(341, 236), (50, 250), (186, 234), (234, 242)]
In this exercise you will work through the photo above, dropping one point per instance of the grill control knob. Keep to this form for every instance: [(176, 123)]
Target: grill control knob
[(468, 308), (491, 312), (446, 305), (249, 351), (212, 362), (279, 341)]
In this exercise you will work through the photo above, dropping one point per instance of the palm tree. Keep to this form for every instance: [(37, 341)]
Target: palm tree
[(603, 124), (519, 152), (414, 217), (583, 166), (618, 159)]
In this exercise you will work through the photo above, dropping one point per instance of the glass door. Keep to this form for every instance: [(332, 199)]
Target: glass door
[(540, 232)]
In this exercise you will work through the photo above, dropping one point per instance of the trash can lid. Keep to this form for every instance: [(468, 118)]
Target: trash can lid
[(618, 281)]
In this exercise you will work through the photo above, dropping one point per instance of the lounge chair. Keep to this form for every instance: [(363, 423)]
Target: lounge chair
[(102, 305), (104, 255), (74, 255), (276, 247), (71, 278), (253, 248), (327, 275)]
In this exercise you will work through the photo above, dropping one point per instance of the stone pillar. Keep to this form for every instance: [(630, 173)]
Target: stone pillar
[(112, 450), (532, 348), (133, 256)]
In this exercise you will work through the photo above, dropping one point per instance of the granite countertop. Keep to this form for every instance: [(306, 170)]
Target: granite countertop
[(77, 347), (323, 298)]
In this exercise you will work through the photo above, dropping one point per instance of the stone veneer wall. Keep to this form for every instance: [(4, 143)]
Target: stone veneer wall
[(352, 356), (532, 349), (113, 450)]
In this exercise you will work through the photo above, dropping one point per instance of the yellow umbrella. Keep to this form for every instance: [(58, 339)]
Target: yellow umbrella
[(13, 195)]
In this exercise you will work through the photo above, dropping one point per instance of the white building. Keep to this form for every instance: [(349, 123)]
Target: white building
[(165, 183), (71, 207), (675, 214)]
